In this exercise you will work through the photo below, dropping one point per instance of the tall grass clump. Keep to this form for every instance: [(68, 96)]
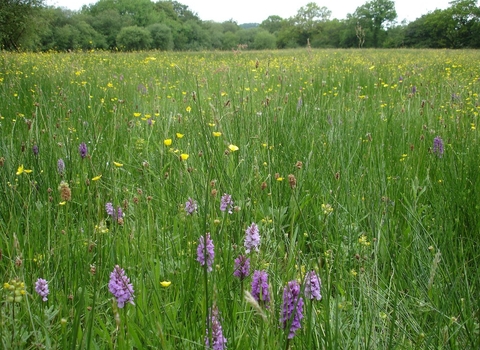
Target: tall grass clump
[(272, 200)]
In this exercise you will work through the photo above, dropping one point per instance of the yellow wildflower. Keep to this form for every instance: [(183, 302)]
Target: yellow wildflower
[(96, 178), (363, 240), (165, 284), (20, 170), (327, 209), (167, 142), (217, 134), (179, 136), (117, 164), (233, 148), (184, 156)]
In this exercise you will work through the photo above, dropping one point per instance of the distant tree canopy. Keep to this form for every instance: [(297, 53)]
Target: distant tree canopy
[(456, 27), (16, 17), (169, 25), (374, 15)]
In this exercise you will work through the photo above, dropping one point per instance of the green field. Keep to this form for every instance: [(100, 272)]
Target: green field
[(331, 153)]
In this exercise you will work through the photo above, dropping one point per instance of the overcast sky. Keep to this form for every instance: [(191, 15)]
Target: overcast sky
[(255, 11)]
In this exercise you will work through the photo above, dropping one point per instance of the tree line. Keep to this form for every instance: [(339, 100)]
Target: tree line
[(130, 25)]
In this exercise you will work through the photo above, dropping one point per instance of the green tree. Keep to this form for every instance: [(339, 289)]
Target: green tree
[(350, 32), (16, 17), (247, 36), (427, 31), (306, 24), (183, 13), (175, 11), (166, 9), (308, 17), (466, 20), (141, 12), (162, 38), (230, 26), (109, 22), (375, 15), (264, 40), (42, 19), (215, 33), (395, 36), (60, 32), (290, 36), (134, 38), (66, 37), (272, 24), (190, 35), (137, 12), (329, 35), (89, 37), (229, 41), (455, 27)]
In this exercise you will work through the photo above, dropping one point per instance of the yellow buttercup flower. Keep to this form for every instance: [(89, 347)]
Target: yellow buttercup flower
[(184, 156), (137, 114), (167, 142), (117, 164), (179, 136), (217, 134), (188, 109), (233, 148), (165, 284), (20, 170), (96, 178)]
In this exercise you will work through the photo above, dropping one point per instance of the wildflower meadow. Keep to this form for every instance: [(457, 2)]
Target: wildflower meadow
[(303, 199)]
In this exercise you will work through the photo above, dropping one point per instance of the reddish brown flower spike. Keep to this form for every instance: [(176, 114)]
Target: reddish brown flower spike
[(292, 181)]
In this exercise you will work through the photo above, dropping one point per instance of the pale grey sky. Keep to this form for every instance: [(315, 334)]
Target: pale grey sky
[(255, 11)]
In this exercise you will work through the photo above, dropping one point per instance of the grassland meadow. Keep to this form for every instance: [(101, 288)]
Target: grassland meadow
[(235, 200)]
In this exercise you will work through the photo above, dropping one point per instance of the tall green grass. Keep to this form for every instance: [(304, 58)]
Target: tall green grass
[(390, 226)]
